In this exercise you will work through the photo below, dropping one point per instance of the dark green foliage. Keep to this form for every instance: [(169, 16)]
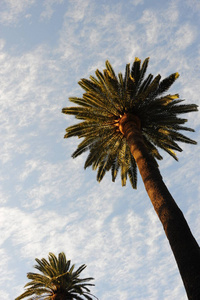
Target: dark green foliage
[(57, 278), (107, 99)]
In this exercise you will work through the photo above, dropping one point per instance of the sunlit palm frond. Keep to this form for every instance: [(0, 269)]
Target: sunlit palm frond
[(57, 277), (107, 98)]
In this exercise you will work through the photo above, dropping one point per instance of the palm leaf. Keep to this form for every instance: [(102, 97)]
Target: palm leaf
[(166, 83), (57, 278), (107, 99)]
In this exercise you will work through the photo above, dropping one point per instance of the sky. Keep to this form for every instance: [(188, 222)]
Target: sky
[(48, 202)]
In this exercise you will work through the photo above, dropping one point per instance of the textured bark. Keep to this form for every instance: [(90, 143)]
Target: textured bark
[(184, 246)]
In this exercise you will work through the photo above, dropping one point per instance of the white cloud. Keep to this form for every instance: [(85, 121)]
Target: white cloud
[(25, 99), (194, 5), (152, 26), (48, 8), (171, 14), (185, 36), (2, 44), (137, 2), (3, 196), (14, 9), (80, 8)]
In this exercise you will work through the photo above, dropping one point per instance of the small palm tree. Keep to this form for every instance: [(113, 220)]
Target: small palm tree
[(57, 281), (125, 120)]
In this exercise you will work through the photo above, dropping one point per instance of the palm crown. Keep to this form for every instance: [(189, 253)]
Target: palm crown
[(57, 281), (107, 99)]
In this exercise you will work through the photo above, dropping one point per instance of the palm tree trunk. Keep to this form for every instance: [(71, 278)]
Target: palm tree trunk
[(184, 246)]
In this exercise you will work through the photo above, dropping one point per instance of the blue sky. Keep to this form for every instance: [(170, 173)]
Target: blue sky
[(49, 203)]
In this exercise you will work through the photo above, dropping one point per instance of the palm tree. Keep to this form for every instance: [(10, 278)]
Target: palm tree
[(58, 281), (125, 120)]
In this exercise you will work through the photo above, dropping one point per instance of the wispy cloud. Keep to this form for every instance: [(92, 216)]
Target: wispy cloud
[(49, 8), (13, 10)]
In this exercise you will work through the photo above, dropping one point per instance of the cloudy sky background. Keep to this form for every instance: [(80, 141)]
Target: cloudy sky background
[(48, 202)]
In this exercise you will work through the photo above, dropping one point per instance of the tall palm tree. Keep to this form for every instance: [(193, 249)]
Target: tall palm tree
[(125, 120), (57, 281)]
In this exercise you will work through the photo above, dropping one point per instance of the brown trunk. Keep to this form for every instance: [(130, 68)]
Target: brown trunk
[(60, 296), (184, 246)]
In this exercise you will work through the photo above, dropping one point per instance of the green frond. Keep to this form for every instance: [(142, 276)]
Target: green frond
[(96, 153), (165, 100), (92, 159), (171, 152), (131, 90), (83, 128), (124, 159), (143, 70), (135, 70), (89, 114), (107, 89), (132, 172), (176, 136), (126, 76), (100, 76), (114, 169), (30, 292), (43, 266), (121, 81), (111, 83), (94, 80), (79, 101), (166, 83), (177, 127), (88, 85), (57, 276), (102, 168), (100, 149), (38, 278), (166, 120), (145, 84), (53, 261), (79, 270), (110, 69), (94, 101), (121, 90), (123, 174), (151, 89), (167, 142), (107, 98), (88, 297), (182, 109), (114, 100), (163, 141), (104, 95), (71, 269), (83, 146), (151, 148)]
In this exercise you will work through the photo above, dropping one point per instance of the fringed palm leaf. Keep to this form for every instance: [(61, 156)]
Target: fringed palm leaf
[(58, 278), (107, 99)]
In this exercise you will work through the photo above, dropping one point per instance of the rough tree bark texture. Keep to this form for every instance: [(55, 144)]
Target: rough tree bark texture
[(184, 246)]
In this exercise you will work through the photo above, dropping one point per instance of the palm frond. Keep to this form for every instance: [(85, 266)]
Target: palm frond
[(57, 277), (132, 172), (166, 83), (143, 71), (107, 99), (135, 70)]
